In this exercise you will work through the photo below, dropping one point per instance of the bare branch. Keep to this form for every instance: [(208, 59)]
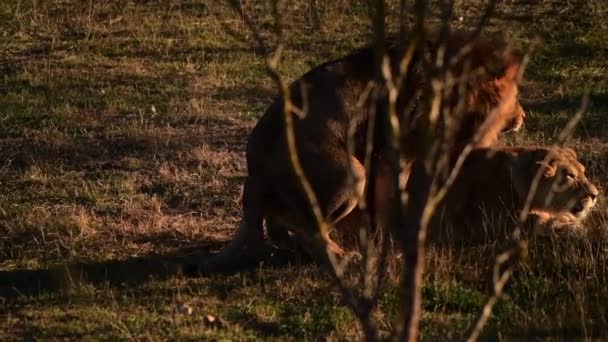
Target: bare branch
[(485, 18), (359, 306), (500, 279), (258, 41)]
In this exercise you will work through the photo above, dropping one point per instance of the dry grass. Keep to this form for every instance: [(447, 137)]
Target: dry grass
[(122, 133)]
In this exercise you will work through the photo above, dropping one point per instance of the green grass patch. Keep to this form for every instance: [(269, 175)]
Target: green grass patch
[(122, 136)]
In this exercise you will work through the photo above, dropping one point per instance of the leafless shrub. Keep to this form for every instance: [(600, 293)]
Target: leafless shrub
[(413, 200)]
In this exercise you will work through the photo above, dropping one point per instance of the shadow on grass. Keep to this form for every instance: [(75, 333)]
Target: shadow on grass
[(554, 113), (103, 151), (570, 103), (568, 332), (132, 271), (129, 272)]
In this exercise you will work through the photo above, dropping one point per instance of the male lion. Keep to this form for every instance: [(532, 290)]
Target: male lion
[(329, 99), (494, 185)]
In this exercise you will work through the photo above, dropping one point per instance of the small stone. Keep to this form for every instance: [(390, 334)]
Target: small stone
[(183, 309), (210, 321)]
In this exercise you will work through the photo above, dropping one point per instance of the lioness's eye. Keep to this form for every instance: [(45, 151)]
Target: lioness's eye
[(569, 176)]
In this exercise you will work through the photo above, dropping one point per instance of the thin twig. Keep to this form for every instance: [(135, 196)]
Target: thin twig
[(359, 306), (499, 281), (410, 236)]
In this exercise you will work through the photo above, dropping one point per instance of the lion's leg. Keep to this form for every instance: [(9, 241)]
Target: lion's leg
[(278, 233), (337, 195), (248, 242), (347, 196)]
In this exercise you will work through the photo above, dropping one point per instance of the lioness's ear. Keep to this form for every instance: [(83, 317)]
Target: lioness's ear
[(545, 163), (548, 168), (570, 152)]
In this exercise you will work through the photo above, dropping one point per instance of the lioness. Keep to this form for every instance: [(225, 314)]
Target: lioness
[(328, 95), (493, 186)]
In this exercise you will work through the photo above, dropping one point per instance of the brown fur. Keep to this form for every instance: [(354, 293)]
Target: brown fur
[(329, 94), (492, 188)]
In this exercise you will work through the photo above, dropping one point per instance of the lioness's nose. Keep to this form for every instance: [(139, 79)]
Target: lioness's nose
[(593, 192)]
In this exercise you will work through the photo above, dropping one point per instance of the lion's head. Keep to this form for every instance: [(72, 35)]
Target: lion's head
[(498, 93), (562, 186), (491, 71)]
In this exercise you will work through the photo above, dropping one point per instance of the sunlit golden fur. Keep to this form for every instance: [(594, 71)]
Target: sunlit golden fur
[(331, 97), (495, 185)]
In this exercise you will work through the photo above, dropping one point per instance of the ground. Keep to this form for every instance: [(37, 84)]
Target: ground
[(122, 134)]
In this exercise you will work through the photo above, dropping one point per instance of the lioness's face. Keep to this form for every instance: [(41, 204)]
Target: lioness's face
[(564, 187)]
